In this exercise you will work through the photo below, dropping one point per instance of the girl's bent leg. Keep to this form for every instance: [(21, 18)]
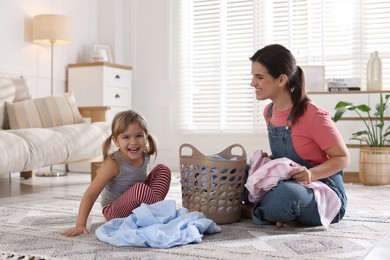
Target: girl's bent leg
[(288, 201), (159, 180), (153, 190)]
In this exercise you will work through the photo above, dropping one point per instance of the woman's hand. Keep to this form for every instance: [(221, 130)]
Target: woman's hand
[(301, 174), (77, 230)]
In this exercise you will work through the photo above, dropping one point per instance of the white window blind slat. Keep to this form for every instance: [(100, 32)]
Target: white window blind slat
[(217, 37)]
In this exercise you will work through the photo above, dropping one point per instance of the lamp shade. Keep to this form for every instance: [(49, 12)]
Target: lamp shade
[(52, 29)]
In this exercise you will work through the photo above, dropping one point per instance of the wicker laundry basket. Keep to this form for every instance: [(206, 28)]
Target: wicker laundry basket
[(213, 184)]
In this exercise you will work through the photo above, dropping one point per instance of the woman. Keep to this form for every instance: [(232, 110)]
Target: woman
[(298, 130)]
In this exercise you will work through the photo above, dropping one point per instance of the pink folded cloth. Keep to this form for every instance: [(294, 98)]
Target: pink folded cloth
[(266, 173)]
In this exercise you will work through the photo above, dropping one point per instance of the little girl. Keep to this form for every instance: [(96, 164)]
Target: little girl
[(122, 179)]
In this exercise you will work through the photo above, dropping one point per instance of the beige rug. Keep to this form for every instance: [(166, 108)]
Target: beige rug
[(31, 229)]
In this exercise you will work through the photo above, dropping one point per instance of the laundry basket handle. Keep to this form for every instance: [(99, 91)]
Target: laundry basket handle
[(227, 153), (195, 152)]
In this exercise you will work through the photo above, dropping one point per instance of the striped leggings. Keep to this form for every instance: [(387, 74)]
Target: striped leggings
[(154, 189)]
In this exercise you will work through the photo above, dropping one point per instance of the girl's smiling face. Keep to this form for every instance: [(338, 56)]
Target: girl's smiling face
[(132, 144)]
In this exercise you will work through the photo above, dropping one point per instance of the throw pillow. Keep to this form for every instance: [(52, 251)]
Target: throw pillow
[(58, 110), (44, 112), (23, 114)]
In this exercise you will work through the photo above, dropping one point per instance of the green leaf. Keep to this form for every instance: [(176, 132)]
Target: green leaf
[(339, 113), (376, 132), (343, 104), (380, 125), (363, 108), (365, 132)]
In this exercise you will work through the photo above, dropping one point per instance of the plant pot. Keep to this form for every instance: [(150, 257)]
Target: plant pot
[(374, 165)]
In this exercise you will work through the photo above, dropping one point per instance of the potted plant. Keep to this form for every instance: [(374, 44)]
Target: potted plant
[(374, 161)]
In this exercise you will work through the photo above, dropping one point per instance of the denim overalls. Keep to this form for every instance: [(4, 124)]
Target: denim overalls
[(289, 200)]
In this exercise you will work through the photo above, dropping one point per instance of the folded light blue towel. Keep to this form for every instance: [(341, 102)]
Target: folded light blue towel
[(158, 225)]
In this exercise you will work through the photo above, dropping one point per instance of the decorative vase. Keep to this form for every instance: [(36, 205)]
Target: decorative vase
[(374, 72), (374, 165)]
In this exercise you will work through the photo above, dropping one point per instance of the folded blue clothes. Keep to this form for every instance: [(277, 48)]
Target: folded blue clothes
[(158, 225)]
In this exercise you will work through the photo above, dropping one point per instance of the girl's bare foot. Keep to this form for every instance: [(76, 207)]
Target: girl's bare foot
[(286, 224)]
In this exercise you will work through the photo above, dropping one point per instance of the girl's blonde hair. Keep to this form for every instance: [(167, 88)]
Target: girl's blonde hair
[(119, 124)]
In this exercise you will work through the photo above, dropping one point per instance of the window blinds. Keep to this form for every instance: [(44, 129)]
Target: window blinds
[(217, 37)]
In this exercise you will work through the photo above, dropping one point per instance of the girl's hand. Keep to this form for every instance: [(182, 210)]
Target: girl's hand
[(77, 230), (301, 174)]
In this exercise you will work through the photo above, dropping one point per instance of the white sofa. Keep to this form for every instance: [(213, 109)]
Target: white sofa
[(46, 131)]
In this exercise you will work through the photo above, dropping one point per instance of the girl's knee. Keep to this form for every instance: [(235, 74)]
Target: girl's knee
[(163, 168), (161, 171)]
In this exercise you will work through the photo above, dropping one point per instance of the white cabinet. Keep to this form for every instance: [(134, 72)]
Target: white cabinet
[(101, 84)]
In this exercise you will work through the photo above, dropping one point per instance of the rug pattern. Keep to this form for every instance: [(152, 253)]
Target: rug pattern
[(31, 229)]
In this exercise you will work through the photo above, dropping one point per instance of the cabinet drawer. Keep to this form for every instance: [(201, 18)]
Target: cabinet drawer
[(117, 96), (117, 77)]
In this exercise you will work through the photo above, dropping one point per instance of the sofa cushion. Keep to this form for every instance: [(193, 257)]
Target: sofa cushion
[(44, 112), (15, 152), (84, 140), (7, 94), (59, 110), (31, 148), (23, 115), (11, 90), (44, 147)]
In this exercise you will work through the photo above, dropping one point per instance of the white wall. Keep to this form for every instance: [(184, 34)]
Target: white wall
[(141, 34), (20, 57), (152, 41)]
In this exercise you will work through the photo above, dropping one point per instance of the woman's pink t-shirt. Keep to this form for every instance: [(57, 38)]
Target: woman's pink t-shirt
[(311, 135)]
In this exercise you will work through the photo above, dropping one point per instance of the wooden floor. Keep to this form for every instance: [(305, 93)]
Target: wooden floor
[(40, 186)]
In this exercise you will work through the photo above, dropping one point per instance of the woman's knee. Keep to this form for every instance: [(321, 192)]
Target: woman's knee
[(292, 191), (283, 202)]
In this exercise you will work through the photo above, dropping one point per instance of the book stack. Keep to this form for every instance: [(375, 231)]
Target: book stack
[(343, 84)]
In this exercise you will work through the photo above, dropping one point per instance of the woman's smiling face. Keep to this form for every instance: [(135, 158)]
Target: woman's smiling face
[(266, 87)]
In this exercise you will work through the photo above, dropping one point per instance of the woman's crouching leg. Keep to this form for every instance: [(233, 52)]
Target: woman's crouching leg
[(289, 201)]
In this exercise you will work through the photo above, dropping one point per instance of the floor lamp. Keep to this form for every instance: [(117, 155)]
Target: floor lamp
[(52, 29)]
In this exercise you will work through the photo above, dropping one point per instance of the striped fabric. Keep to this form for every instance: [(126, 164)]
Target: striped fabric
[(153, 190), (44, 112), (267, 173), (23, 115)]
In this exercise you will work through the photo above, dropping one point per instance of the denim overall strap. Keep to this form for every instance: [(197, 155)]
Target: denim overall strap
[(280, 141), (281, 145)]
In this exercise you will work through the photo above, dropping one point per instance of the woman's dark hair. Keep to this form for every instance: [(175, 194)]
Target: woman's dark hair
[(278, 60)]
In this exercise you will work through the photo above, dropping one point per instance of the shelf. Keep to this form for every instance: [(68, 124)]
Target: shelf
[(360, 119), (349, 92), (103, 63), (355, 145)]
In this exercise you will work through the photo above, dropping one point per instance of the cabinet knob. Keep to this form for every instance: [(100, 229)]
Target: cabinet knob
[(117, 76), (117, 96)]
